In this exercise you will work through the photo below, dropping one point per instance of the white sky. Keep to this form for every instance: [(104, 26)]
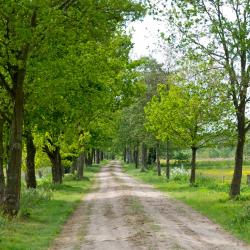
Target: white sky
[(145, 35)]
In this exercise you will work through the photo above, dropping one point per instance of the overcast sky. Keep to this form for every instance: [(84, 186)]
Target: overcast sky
[(145, 36)]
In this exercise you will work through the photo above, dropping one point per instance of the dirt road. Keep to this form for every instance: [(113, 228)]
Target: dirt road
[(122, 213)]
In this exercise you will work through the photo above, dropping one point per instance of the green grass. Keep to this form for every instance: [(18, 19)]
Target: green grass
[(210, 197), (43, 213)]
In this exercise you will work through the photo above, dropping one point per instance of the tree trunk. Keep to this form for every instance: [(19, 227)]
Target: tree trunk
[(128, 155), (62, 170), (236, 181), (136, 155), (144, 157), (88, 159), (193, 165), (73, 166), (168, 161), (92, 156), (125, 154), (158, 159), (2, 179), (101, 156), (80, 166), (152, 156), (57, 166), (13, 187), (132, 156), (30, 161), (98, 156), (55, 159)]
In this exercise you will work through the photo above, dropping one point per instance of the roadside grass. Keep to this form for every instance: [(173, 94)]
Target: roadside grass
[(209, 196), (43, 212)]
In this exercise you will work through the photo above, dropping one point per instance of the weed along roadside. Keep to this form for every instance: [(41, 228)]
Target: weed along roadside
[(209, 196), (44, 212)]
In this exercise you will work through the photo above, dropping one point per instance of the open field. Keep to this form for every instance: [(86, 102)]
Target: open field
[(218, 168), (43, 212), (209, 196)]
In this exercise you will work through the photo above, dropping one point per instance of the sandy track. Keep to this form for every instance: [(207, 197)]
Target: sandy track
[(122, 213)]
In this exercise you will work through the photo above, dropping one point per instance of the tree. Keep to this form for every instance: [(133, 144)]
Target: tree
[(29, 29), (132, 132), (219, 30), (189, 114), (30, 160)]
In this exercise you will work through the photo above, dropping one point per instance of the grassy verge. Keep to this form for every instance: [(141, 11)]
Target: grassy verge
[(43, 213), (210, 197)]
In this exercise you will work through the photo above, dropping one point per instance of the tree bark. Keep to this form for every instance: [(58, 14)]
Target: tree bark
[(136, 155), (168, 161), (80, 166), (144, 157), (89, 159), (128, 155), (125, 154), (62, 170), (13, 187), (30, 161), (73, 166), (152, 156), (55, 159), (158, 159), (98, 156), (237, 176), (2, 179), (193, 165), (92, 156)]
